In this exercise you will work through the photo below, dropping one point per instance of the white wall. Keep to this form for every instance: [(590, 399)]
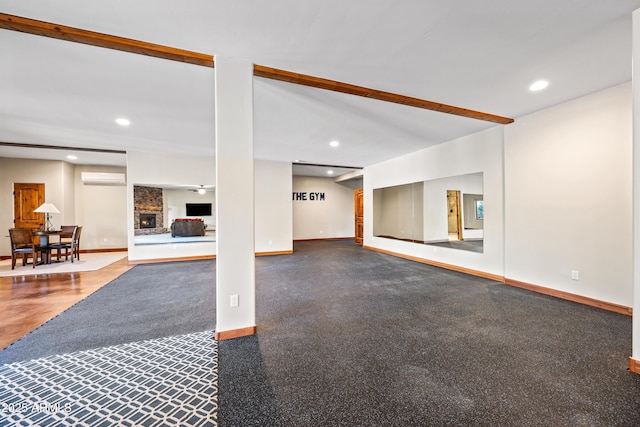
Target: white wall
[(273, 216), (322, 219), (568, 176), (69, 194), (101, 210), (481, 152), (636, 188), (176, 200)]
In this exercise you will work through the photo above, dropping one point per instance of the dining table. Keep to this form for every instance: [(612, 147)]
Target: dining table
[(42, 238)]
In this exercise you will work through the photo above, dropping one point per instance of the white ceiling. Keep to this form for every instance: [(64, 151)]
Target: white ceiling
[(475, 55)]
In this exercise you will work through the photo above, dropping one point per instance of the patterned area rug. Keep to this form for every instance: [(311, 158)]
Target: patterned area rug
[(169, 381)]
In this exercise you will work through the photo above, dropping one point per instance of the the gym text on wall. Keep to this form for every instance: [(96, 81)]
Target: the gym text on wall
[(308, 196)]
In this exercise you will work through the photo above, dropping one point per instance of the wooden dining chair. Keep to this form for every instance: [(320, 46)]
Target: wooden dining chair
[(67, 237), (75, 251), (22, 243)]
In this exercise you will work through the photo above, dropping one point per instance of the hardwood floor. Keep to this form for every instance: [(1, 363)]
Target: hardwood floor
[(27, 302)]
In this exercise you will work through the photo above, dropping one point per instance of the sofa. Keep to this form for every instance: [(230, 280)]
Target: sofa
[(183, 227)]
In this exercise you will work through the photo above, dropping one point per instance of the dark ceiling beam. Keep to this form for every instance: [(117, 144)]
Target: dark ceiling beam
[(62, 32), (77, 35), (299, 163), (318, 82), (60, 147)]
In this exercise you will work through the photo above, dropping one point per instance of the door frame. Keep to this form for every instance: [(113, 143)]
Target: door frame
[(456, 211)]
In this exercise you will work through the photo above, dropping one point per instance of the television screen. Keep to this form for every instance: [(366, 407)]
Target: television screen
[(198, 209)]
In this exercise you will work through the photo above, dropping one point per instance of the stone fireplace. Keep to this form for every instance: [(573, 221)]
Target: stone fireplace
[(147, 220), (149, 210)]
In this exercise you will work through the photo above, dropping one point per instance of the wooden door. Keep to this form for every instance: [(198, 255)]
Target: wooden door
[(358, 202), (453, 215), (26, 199)]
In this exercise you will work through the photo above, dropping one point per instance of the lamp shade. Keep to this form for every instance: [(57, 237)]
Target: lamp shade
[(47, 208)]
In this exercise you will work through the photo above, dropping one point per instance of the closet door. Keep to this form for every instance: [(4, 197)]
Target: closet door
[(358, 197)]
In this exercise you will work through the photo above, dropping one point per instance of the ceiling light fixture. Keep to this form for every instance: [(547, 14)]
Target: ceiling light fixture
[(72, 157), (538, 85), (201, 190), (123, 121), (329, 172), (334, 143)]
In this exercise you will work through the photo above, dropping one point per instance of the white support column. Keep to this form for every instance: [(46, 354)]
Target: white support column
[(235, 259), (634, 362)]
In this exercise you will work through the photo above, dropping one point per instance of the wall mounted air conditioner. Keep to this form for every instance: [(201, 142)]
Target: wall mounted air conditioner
[(102, 178)]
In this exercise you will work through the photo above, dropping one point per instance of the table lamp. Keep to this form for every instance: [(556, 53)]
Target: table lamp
[(47, 209)]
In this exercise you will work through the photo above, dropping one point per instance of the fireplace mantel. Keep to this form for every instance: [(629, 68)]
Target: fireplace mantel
[(147, 208)]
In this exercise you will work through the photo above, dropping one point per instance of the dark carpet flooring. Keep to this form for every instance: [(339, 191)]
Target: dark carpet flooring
[(351, 337), (147, 302)]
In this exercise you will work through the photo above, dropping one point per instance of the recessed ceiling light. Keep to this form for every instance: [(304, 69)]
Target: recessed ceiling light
[(123, 121), (334, 143), (72, 157), (538, 85), (329, 172)]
